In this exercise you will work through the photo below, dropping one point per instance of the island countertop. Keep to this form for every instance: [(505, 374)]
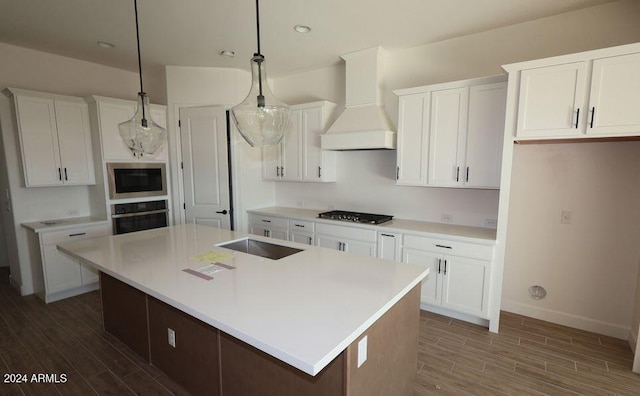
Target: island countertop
[(303, 309)]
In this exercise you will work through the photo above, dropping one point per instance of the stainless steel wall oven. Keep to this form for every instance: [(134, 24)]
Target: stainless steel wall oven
[(138, 216)]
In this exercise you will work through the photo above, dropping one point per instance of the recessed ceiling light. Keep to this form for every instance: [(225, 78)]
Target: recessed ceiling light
[(228, 53), (302, 28), (105, 44)]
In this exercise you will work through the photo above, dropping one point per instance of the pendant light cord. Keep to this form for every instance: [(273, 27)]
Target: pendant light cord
[(260, 59), (258, 25), (142, 93)]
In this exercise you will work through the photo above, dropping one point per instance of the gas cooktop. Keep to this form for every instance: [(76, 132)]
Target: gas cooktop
[(355, 217)]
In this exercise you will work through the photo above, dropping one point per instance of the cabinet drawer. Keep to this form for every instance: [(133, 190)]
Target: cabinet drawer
[(463, 249), (269, 221), (301, 225), (359, 234), (55, 237)]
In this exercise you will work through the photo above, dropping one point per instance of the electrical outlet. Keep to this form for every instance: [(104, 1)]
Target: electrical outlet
[(72, 212), (446, 218), (566, 217), (491, 223), (171, 334), (362, 351)]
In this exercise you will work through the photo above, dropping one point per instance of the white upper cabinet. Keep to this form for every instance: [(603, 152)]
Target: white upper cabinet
[(614, 101), (111, 112), (485, 135), (55, 139), (586, 95), (299, 156), (413, 139), (450, 135), (551, 99), (447, 136)]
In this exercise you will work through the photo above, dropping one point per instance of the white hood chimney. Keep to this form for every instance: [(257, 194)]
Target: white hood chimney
[(363, 125)]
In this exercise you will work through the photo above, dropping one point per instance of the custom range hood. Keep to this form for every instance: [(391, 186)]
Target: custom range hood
[(363, 125)]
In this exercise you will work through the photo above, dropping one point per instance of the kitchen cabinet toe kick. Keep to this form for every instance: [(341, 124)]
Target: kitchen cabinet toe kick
[(206, 360)]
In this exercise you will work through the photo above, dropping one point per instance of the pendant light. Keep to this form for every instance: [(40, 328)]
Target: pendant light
[(141, 134), (261, 118)]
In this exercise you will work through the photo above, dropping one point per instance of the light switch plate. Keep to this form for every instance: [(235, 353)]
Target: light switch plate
[(171, 335), (362, 351)]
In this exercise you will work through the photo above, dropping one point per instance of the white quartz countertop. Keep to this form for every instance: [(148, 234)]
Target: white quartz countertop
[(304, 309), (458, 232), (63, 224)]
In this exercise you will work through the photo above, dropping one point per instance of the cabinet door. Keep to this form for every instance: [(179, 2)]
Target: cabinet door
[(271, 162), (551, 101), (465, 285), (359, 247), (39, 141), (389, 246), (74, 138), (485, 132), (447, 136), (291, 149), (432, 284), (413, 139), (61, 272), (614, 104), (301, 237), (328, 242), (112, 114), (312, 154)]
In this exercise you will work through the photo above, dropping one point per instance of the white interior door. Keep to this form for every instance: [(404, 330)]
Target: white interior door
[(203, 135)]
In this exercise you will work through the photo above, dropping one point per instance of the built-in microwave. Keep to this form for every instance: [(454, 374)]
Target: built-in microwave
[(136, 179)]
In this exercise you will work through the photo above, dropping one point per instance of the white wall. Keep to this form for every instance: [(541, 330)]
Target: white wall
[(204, 86), (589, 267), (461, 58), (40, 71), (479, 55)]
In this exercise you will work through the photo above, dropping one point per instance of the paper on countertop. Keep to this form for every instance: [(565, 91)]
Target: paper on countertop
[(207, 271), (212, 257)]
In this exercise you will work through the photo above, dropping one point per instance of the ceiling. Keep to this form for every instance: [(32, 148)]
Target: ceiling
[(193, 32)]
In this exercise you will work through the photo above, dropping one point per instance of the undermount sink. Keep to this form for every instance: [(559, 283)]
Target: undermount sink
[(260, 248)]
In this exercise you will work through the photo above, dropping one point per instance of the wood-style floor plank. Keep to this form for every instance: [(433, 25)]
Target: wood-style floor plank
[(528, 356)]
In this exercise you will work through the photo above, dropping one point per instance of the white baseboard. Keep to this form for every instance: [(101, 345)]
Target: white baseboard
[(15, 284), (563, 318), (454, 314)]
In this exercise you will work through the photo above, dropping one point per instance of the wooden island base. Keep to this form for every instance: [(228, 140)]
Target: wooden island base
[(207, 361)]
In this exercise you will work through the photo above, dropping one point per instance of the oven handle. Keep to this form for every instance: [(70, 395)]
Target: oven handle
[(119, 216)]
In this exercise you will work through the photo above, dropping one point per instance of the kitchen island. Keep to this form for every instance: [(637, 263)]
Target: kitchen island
[(315, 322)]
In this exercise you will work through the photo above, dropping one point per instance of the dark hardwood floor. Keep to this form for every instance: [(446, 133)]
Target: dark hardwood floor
[(528, 357)]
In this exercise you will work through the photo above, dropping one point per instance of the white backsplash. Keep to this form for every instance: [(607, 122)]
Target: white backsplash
[(366, 183)]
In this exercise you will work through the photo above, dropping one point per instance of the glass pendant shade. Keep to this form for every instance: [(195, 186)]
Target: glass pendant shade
[(261, 118), (141, 134)]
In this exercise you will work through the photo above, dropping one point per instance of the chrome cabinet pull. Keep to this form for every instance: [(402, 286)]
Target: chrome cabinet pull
[(310, 240), (457, 173), (278, 171), (65, 174), (78, 234), (60, 174), (439, 262), (444, 247), (266, 221), (319, 172), (397, 173), (577, 117), (467, 179), (593, 116), (445, 266)]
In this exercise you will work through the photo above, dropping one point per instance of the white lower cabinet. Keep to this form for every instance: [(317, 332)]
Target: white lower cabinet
[(459, 273), (390, 246), (301, 231), (346, 239), (272, 227), (65, 276)]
